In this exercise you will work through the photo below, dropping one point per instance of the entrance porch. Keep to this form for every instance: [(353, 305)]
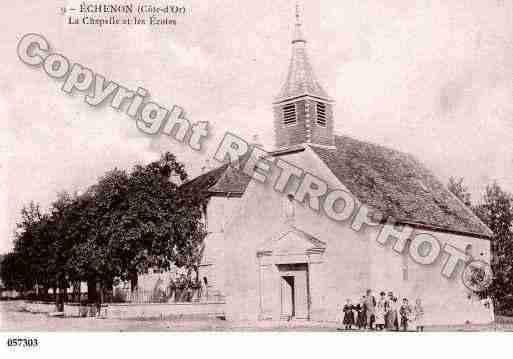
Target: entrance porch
[(285, 264)]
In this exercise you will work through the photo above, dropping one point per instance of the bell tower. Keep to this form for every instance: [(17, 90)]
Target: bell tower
[(303, 112)]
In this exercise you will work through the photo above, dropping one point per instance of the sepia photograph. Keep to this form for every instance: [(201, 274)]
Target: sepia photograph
[(230, 167)]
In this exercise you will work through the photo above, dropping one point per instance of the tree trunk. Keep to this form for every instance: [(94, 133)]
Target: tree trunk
[(196, 271), (100, 292), (91, 291), (61, 296), (133, 281), (43, 294), (108, 291), (77, 291), (99, 298)]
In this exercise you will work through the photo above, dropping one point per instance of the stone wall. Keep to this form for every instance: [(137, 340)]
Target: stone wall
[(165, 310), (352, 262), (133, 311), (37, 307)]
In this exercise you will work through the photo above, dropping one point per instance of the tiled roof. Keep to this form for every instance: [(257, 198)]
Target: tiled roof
[(389, 181), (225, 179), (397, 185), (205, 181), (232, 180), (300, 78)]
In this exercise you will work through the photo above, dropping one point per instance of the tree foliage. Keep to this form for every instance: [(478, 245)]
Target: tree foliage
[(121, 226), (496, 211), (457, 187)]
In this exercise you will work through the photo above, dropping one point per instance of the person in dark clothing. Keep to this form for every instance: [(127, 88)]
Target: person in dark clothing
[(404, 313), (361, 319), (348, 315), (392, 322)]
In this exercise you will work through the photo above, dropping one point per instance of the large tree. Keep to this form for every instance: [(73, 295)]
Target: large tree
[(89, 229), (12, 272), (136, 221), (32, 248), (496, 211), (121, 226), (155, 225)]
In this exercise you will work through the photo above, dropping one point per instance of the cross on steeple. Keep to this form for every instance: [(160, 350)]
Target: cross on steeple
[(298, 33)]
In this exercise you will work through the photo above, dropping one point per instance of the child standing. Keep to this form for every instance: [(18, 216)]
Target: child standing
[(340, 317), (404, 313), (348, 315), (418, 315), (381, 308), (361, 318), (370, 309), (393, 323)]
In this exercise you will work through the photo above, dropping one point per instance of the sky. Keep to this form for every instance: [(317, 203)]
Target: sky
[(430, 77)]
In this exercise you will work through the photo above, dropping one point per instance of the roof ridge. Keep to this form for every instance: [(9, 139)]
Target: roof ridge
[(397, 184), (373, 144)]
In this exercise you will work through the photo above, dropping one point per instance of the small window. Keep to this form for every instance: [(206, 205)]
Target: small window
[(289, 114), (321, 114)]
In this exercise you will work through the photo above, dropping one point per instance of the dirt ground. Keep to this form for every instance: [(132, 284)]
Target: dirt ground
[(12, 319)]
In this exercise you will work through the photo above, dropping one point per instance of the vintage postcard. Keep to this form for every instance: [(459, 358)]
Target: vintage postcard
[(334, 166)]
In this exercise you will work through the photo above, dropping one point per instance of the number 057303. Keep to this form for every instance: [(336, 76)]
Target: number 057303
[(22, 342)]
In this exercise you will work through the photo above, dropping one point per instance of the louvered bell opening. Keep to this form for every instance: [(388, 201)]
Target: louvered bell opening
[(289, 115), (321, 114)]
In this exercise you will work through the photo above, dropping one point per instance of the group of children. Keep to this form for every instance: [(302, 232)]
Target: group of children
[(383, 313)]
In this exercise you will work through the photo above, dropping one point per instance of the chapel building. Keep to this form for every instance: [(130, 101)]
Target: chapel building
[(272, 257)]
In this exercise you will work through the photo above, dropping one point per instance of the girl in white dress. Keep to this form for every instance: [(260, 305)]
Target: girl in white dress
[(418, 315), (380, 311)]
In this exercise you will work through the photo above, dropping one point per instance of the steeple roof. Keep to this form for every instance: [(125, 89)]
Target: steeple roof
[(300, 79)]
